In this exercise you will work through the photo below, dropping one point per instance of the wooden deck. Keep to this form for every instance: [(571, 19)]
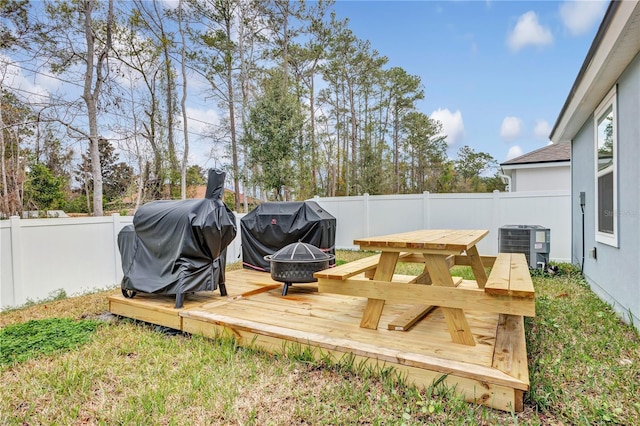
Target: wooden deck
[(494, 372)]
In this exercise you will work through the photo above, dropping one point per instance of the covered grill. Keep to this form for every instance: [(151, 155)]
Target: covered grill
[(178, 247), (272, 226), (296, 263)]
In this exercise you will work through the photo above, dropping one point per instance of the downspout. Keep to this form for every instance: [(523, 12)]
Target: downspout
[(582, 204), (506, 178)]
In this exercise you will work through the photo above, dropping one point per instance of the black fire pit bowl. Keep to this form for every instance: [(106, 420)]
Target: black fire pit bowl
[(296, 263)]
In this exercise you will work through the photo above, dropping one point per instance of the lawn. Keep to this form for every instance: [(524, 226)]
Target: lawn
[(584, 368)]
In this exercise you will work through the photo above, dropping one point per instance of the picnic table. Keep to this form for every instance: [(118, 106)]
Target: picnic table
[(507, 290)]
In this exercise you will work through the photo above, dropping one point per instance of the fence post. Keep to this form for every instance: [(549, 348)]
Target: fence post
[(16, 288), (495, 222), (365, 218), (116, 251), (426, 214)]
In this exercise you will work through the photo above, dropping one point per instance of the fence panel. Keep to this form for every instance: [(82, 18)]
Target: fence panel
[(391, 214), (363, 216), (6, 264), (551, 210)]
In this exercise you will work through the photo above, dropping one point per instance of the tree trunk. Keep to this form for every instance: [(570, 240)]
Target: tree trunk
[(396, 150), (232, 118), (354, 135), (314, 148), (90, 96), (171, 148), (183, 105), (5, 192)]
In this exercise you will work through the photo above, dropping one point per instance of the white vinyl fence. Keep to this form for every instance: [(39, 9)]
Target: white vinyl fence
[(370, 215), (39, 257)]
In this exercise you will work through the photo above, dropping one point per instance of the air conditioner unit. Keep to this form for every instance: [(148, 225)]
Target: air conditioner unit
[(532, 240)]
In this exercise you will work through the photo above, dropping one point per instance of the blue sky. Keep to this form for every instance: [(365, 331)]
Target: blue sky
[(495, 73)]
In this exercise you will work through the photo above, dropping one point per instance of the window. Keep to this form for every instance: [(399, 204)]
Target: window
[(606, 170)]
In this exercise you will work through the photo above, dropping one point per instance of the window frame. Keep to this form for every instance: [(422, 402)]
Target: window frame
[(610, 101)]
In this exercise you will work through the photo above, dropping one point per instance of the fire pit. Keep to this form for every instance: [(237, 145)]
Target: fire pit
[(296, 263)]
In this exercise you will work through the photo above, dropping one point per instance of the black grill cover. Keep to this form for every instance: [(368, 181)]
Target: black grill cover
[(177, 247), (272, 226)]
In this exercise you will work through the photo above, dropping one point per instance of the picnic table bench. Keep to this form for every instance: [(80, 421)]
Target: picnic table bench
[(507, 290)]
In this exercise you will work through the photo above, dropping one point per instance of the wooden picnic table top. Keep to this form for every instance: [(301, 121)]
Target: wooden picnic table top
[(428, 239)]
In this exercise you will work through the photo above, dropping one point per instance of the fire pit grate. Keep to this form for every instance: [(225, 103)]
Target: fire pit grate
[(296, 263)]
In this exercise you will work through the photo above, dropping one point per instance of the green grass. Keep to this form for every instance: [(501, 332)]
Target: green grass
[(23, 341), (584, 369), (584, 363)]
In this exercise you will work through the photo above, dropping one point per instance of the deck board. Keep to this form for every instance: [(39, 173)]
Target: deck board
[(493, 372)]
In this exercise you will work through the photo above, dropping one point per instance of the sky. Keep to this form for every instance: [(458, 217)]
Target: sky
[(495, 73)]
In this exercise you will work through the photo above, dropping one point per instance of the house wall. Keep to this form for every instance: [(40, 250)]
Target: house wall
[(614, 274), (541, 178)]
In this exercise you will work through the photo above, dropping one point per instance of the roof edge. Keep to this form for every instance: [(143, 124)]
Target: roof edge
[(597, 41), (507, 163)]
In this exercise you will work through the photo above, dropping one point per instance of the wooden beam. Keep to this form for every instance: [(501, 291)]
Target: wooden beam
[(392, 356), (446, 251), (463, 260), (384, 272), (473, 299), (405, 321), (520, 282), (349, 269), (510, 277), (476, 265), (510, 351)]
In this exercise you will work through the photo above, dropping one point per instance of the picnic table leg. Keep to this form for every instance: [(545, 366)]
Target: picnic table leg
[(384, 272), (477, 266), (455, 318)]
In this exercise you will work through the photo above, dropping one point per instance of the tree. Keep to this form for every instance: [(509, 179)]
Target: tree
[(16, 27), (43, 190), (117, 174), (217, 62), (151, 22), (81, 33), (353, 73), (14, 116), (404, 91), (470, 166), (140, 57), (426, 151), (183, 100), (274, 125), (91, 92)]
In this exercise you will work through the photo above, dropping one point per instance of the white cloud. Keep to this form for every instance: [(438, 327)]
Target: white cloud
[(511, 128), (514, 151), (170, 4), (452, 124), (528, 31), (542, 129), (33, 90), (580, 16)]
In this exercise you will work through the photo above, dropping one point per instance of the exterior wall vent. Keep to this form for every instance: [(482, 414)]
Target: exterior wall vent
[(532, 240)]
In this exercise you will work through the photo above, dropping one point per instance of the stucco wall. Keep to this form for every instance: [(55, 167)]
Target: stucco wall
[(615, 274), (541, 179)]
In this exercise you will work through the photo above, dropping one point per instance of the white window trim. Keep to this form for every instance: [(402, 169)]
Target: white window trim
[(609, 100)]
